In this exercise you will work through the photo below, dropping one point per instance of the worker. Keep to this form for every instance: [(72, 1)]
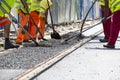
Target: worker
[(39, 12), (115, 22), (4, 21), (107, 23), (24, 22)]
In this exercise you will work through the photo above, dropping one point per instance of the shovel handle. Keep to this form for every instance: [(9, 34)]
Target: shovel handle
[(86, 17), (51, 16)]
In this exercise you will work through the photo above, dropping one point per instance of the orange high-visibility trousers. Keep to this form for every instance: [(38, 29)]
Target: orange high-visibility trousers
[(4, 21), (24, 18), (40, 23)]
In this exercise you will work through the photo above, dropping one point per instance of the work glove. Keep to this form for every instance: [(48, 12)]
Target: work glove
[(14, 20)]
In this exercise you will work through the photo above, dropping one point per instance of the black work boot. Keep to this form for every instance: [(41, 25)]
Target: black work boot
[(103, 40), (8, 45), (109, 46)]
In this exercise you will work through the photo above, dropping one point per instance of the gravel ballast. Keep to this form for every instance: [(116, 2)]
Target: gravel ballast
[(28, 57)]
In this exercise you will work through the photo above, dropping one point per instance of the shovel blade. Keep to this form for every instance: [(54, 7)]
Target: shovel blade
[(55, 35)]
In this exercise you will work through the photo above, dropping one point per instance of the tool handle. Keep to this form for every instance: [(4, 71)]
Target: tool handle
[(86, 17), (51, 16)]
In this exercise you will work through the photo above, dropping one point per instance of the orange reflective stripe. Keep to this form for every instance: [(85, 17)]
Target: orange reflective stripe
[(4, 21)]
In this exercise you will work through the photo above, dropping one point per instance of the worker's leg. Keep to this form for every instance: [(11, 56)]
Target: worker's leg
[(33, 30), (106, 26), (23, 23), (42, 27), (20, 37), (7, 43), (114, 31), (4, 21), (115, 28)]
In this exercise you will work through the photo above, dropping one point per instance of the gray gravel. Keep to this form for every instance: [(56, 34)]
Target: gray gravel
[(28, 57)]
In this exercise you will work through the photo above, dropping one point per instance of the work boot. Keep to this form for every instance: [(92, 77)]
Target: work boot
[(20, 43), (103, 40), (9, 45), (26, 41), (109, 46)]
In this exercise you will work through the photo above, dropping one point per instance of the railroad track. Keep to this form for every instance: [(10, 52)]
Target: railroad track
[(45, 65)]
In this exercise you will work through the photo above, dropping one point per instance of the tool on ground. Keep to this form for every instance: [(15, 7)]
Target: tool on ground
[(101, 21), (16, 21), (55, 34), (37, 27)]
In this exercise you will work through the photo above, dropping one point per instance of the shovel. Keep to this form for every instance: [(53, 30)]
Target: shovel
[(55, 34)]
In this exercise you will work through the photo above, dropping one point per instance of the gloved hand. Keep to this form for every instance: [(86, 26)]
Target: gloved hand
[(14, 20)]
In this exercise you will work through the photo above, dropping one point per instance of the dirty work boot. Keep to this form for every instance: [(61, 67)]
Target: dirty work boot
[(109, 46), (26, 41), (103, 40), (8, 45)]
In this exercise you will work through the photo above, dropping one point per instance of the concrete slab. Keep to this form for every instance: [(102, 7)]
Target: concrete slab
[(90, 62)]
